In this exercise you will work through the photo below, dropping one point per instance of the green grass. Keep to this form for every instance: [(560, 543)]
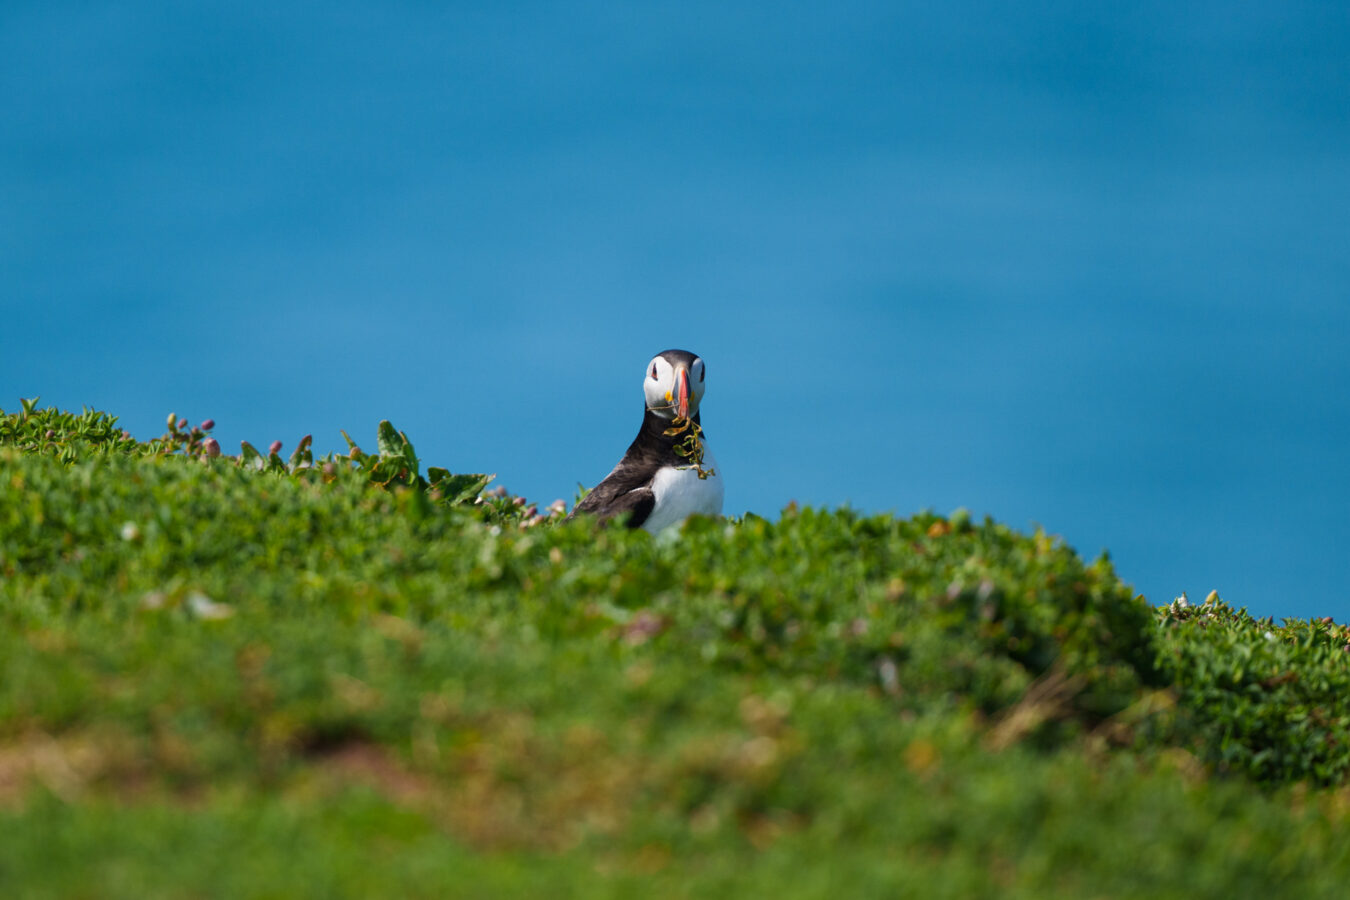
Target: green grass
[(262, 678)]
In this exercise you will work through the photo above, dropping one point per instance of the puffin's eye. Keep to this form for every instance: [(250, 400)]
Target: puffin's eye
[(653, 371)]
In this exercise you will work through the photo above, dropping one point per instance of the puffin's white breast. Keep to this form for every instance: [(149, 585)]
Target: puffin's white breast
[(680, 493)]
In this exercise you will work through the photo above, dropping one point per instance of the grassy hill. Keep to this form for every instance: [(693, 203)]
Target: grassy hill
[(265, 677)]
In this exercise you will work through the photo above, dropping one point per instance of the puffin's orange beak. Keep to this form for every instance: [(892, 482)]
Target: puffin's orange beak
[(682, 392)]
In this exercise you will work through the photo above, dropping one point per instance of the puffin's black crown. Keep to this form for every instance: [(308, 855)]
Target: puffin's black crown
[(678, 356)]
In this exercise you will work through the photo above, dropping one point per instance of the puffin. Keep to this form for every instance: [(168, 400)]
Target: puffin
[(668, 473)]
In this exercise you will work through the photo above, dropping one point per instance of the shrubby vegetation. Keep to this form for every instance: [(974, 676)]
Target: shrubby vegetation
[(256, 676)]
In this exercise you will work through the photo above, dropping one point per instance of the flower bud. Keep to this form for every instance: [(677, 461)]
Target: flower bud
[(172, 421), (211, 447), (207, 425), (50, 434), (182, 423), (274, 448)]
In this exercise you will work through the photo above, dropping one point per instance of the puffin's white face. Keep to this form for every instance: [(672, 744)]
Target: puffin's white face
[(674, 388)]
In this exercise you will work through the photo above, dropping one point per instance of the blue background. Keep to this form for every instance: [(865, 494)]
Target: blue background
[(1082, 265)]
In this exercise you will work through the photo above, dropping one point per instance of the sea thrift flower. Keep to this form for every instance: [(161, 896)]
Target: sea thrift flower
[(211, 447), (275, 448)]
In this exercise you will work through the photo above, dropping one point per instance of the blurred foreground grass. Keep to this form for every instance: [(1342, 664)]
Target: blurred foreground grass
[(246, 676)]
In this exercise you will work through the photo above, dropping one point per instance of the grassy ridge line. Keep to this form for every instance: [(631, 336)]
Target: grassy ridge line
[(192, 647)]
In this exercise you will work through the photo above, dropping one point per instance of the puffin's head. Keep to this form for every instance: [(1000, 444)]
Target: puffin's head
[(674, 384)]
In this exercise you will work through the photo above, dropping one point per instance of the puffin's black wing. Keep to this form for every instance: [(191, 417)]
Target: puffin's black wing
[(639, 501), (626, 489)]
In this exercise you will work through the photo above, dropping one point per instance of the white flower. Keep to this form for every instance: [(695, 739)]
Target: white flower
[(203, 607)]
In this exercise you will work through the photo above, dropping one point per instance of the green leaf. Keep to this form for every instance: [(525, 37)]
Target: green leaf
[(410, 458), (249, 455), (302, 455), (384, 469), (460, 488), (390, 441)]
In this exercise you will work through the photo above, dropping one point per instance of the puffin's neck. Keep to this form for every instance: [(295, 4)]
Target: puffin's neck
[(653, 437)]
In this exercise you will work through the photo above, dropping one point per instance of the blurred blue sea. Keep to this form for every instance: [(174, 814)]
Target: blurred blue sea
[(1073, 264)]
